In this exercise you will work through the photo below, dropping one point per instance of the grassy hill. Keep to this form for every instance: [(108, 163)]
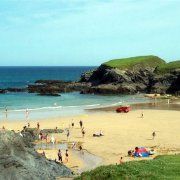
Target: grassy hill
[(163, 167), (165, 68), (135, 62)]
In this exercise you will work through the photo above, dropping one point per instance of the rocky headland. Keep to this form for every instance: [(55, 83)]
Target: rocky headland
[(142, 74), (146, 74)]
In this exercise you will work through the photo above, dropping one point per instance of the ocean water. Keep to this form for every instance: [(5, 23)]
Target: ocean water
[(46, 106)]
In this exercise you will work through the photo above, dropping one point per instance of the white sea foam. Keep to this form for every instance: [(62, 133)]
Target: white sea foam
[(63, 107)]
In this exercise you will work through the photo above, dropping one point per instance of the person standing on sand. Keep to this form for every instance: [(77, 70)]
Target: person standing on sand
[(153, 135), (66, 155), (72, 124), (60, 156), (81, 124), (81, 149), (142, 115)]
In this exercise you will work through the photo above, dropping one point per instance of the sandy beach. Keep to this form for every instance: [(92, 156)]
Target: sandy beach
[(122, 132)]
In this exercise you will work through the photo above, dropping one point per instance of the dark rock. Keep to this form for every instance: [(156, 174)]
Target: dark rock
[(49, 94), (16, 89), (48, 131), (2, 91), (19, 161)]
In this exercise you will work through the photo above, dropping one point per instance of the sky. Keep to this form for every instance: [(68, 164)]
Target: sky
[(87, 32)]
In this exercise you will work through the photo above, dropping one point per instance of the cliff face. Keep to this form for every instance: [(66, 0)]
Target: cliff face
[(144, 80), (19, 161)]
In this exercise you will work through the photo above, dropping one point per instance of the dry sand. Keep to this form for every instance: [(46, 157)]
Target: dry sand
[(121, 132)]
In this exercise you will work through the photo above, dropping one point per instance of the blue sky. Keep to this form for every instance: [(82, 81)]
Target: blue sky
[(87, 32)]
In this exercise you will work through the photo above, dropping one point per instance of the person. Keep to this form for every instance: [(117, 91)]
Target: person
[(98, 134), (27, 113), (24, 128), (142, 115), (66, 155), (6, 112), (151, 152), (46, 138), (72, 124), (53, 140), (43, 153), (21, 134), (41, 136), (38, 125), (121, 160), (81, 124), (60, 156), (130, 153), (73, 145), (81, 149), (68, 134), (83, 132), (101, 133), (153, 135), (56, 129)]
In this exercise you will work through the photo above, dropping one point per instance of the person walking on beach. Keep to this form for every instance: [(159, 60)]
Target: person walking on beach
[(81, 124), (60, 156), (68, 134), (153, 135), (66, 156), (142, 115), (83, 132)]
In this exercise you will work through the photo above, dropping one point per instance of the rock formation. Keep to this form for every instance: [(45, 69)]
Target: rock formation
[(19, 160)]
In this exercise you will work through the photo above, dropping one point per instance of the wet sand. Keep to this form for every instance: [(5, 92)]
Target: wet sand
[(159, 105)]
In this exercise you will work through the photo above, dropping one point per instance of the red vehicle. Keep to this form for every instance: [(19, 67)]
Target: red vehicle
[(124, 109)]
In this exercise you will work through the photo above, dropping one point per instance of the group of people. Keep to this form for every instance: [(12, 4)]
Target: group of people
[(60, 157), (26, 113), (72, 125)]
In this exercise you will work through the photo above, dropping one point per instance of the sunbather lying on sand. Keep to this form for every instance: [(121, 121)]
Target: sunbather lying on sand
[(98, 134)]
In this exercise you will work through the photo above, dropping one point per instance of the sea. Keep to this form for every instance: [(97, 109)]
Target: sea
[(40, 107)]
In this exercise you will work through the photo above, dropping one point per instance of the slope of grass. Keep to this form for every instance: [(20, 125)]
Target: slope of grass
[(165, 68), (135, 62), (163, 167)]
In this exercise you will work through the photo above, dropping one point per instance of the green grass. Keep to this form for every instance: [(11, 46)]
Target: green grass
[(166, 68), (163, 167), (135, 62)]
